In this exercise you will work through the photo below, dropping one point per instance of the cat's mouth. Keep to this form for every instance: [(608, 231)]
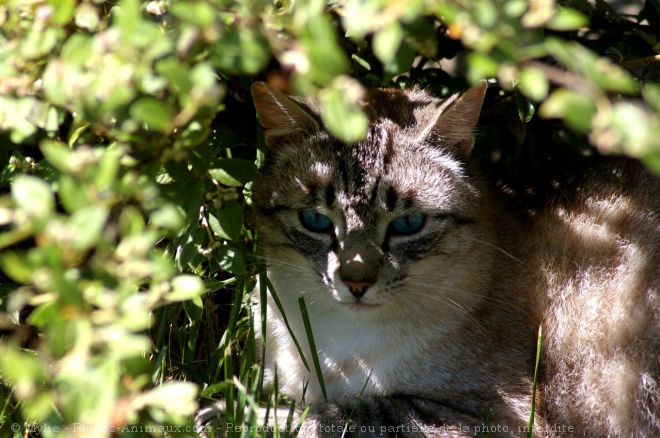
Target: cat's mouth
[(360, 306)]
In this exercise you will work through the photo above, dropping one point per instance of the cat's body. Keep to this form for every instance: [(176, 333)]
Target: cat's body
[(598, 300), (425, 284)]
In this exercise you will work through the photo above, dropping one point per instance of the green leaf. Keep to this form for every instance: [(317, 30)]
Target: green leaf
[(77, 50), (92, 392), (130, 221), (241, 51), (57, 154), (17, 266), (128, 18), (233, 172), (230, 260), (105, 176), (88, 223), (78, 128), (481, 66), (224, 138), (22, 368), (341, 113), (534, 83), (177, 170), (167, 217), (135, 313), (87, 17), (194, 308), (194, 134), (175, 397), (38, 42), (158, 115), (33, 196), (46, 314), (186, 287), (227, 222), (177, 75), (62, 10), (525, 107), (599, 70), (386, 42), (189, 247), (567, 19), (574, 108), (651, 93), (652, 161), (325, 58), (72, 194), (403, 59), (631, 123), (198, 13)]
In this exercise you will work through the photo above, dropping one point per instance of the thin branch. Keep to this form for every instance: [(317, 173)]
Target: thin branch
[(562, 77), (640, 61)]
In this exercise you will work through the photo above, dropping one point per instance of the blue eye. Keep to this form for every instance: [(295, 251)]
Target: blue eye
[(315, 221), (408, 224)]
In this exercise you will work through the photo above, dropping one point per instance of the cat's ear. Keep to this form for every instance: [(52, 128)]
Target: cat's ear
[(456, 122), (280, 116)]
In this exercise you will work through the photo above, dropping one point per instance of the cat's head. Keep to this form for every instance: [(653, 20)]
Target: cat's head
[(378, 224)]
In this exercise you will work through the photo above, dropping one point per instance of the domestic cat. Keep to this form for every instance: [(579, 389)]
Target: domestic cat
[(426, 283)]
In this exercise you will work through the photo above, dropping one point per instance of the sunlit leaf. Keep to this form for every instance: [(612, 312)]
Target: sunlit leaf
[(576, 109), (387, 41), (567, 19), (186, 287), (88, 223), (230, 260), (33, 195), (534, 83), (156, 114), (232, 172), (343, 117)]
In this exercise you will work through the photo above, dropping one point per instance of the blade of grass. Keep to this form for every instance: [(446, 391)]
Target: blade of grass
[(301, 419), (230, 333), (286, 322), (530, 423), (486, 423), (263, 291), (312, 345), (231, 414), (158, 374), (248, 400)]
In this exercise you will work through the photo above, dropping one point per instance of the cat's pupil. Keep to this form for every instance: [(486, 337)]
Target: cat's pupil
[(408, 224), (315, 221)]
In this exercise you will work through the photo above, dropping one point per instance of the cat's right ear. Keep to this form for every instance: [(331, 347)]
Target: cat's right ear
[(457, 119), (281, 118)]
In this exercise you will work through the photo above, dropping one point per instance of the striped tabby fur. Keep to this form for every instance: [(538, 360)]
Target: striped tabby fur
[(430, 330)]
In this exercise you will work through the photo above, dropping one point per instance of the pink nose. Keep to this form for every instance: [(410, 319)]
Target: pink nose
[(358, 288)]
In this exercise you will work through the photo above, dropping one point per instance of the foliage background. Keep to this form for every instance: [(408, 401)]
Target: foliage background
[(128, 141)]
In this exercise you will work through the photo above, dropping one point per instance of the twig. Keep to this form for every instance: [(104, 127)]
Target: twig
[(562, 77), (639, 61)]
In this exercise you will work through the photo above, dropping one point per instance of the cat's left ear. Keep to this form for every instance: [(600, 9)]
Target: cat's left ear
[(281, 117), (455, 125)]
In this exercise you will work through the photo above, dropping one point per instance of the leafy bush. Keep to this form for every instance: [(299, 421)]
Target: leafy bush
[(128, 141)]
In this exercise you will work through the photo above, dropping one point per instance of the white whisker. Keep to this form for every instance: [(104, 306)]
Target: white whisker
[(492, 245)]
